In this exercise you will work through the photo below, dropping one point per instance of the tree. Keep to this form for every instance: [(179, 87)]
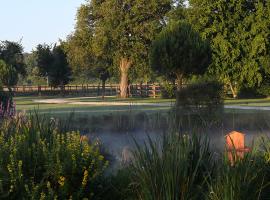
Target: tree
[(11, 63), (44, 59), (180, 51), (53, 64), (240, 39), (79, 49), (8, 75), (60, 71), (124, 29)]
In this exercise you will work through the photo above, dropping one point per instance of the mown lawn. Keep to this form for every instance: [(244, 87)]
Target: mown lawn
[(28, 104)]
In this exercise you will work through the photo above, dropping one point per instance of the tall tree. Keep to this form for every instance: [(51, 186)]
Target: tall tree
[(12, 62), (125, 29), (79, 48), (53, 64), (180, 51), (240, 34), (44, 60), (8, 75)]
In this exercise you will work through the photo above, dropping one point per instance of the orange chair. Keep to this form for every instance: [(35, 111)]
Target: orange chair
[(235, 146)]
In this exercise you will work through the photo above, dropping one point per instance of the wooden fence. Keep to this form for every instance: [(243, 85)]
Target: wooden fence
[(135, 90)]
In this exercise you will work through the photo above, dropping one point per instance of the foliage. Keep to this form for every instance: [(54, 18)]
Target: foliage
[(239, 33), (203, 101), (124, 30), (53, 64), (79, 48), (180, 51), (208, 94), (117, 186), (8, 74), (11, 63), (7, 107), (32, 71), (239, 181), (176, 168), (182, 167), (12, 54), (168, 90), (39, 161), (264, 90)]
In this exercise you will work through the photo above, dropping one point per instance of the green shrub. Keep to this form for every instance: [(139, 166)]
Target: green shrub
[(176, 168), (247, 92), (38, 161), (7, 107), (203, 102), (264, 90), (208, 95), (168, 90)]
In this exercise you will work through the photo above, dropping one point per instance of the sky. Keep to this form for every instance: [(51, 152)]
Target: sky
[(37, 21)]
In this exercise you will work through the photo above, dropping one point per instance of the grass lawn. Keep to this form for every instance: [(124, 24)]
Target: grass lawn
[(28, 104), (248, 102)]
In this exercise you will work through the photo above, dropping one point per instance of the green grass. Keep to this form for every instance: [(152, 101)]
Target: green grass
[(249, 102), (27, 103)]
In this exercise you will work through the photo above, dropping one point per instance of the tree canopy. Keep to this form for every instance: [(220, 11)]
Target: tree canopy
[(180, 51), (125, 29), (240, 38), (11, 62), (53, 64)]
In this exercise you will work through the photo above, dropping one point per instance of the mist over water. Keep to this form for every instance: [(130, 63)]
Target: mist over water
[(118, 133)]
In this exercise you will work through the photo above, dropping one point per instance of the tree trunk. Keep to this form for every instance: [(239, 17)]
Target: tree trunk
[(179, 82), (233, 90), (125, 64), (103, 88)]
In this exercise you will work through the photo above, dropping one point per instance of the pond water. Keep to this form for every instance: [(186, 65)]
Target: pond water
[(118, 132)]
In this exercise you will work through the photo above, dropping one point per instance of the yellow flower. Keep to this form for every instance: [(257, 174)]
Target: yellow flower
[(61, 181), (101, 158), (85, 176)]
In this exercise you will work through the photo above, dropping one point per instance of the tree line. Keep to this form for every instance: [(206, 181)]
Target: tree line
[(150, 40)]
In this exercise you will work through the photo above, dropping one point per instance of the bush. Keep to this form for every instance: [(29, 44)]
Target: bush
[(208, 95), (7, 107), (38, 161), (264, 90), (247, 92), (168, 90)]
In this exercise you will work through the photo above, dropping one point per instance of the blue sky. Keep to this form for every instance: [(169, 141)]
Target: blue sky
[(37, 21)]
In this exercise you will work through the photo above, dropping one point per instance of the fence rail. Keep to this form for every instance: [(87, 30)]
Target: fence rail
[(135, 90)]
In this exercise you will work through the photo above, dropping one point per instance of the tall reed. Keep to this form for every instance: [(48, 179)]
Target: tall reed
[(175, 168)]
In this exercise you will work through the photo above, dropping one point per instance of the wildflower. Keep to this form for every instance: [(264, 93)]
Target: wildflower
[(100, 157), (42, 196), (61, 181), (85, 176), (83, 138)]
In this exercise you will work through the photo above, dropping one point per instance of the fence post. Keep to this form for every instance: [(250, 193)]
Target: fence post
[(154, 91), (140, 90), (39, 90)]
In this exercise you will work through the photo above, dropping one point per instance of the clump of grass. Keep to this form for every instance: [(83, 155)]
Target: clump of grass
[(246, 179), (176, 168)]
